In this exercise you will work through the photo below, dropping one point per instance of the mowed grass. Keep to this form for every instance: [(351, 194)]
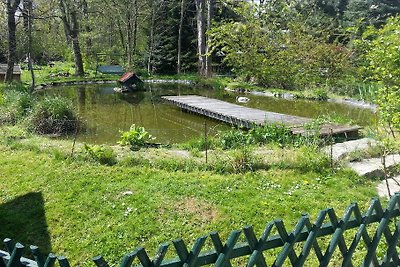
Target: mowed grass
[(81, 209)]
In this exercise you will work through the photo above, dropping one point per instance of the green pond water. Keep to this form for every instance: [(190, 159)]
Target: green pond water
[(105, 112)]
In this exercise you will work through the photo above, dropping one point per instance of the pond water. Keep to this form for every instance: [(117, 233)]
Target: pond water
[(105, 112)]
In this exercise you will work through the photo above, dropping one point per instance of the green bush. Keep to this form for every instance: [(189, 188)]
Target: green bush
[(233, 139), (136, 137), (321, 94), (102, 154), (243, 160), (53, 115), (14, 105)]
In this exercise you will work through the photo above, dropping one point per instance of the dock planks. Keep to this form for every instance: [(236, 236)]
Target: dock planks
[(248, 117)]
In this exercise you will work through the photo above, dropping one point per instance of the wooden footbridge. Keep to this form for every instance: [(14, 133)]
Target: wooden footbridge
[(249, 117)]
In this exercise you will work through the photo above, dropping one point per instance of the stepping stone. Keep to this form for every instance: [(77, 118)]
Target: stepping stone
[(340, 150), (394, 186), (372, 168)]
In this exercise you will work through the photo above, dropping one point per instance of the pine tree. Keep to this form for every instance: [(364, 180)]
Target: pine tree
[(165, 51)]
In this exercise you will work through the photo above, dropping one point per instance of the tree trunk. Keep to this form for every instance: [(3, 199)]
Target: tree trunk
[(210, 17), (28, 19), (88, 29), (71, 28), (66, 23), (129, 39), (179, 63), (121, 36), (12, 39), (201, 37), (151, 44), (135, 26), (79, 71)]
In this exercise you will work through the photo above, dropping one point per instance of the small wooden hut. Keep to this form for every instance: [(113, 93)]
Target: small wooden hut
[(130, 81), (16, 72)]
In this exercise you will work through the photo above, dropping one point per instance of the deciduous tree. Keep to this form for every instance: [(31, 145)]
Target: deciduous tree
[(12, 6), (69, 16)]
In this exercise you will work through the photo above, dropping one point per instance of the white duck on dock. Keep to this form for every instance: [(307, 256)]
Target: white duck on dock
[(242, 99)]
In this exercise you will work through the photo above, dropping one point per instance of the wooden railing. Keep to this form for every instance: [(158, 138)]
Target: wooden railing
[(377, 228)]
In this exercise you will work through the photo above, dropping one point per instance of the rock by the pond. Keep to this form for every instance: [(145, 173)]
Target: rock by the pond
[(340, 150), (373, 168), (394, 186)]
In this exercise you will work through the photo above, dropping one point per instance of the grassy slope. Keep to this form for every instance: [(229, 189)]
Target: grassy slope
[(85, 211)]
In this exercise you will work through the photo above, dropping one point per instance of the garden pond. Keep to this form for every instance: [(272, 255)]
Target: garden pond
[(105, 113)]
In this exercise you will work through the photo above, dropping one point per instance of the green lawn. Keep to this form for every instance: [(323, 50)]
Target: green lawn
[(81, 209)]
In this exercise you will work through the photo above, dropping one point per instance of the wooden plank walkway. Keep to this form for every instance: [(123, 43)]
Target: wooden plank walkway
[(248, 117)]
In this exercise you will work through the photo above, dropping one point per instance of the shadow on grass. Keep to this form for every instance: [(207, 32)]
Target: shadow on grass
[(23, 220)]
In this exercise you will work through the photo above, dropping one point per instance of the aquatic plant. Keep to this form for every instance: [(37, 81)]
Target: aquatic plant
[(137, 137)]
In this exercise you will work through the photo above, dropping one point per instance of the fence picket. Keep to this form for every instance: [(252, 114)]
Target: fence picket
[(392, 247), (99, 261), (50, 261), (216, 240), (311, 239), (38, 256), (383, 229), (254, 245), (194, 254), (127, 260), (63, 262), (15, 257), (289, 243), (9, 245), (224, 257), (143, 257), (257, 254), (181, 249), (285, 238), (160, 255)]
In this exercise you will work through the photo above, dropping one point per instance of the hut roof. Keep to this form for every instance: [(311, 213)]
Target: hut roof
[(126, 77), (111, 69), (3, 69)]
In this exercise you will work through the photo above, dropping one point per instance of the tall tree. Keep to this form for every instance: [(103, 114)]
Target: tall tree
[(201, 36), (210, 17), (28, 20), (182, 16), (69, 17), (12, 6)]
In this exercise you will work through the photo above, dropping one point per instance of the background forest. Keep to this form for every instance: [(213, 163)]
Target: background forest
[(281, 44)]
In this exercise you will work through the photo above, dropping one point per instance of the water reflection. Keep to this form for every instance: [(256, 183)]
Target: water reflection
[(106, 113)]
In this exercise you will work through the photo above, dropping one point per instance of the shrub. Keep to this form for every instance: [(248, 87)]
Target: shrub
[(53, 115), (243, 160), (102, 154), (136, 137), (321, 94), (14, 105), (232, 139)]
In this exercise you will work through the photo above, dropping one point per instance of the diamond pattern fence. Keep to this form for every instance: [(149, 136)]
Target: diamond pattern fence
[(324, 240)]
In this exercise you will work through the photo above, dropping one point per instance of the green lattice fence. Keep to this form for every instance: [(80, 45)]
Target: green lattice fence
[(377, 228)]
